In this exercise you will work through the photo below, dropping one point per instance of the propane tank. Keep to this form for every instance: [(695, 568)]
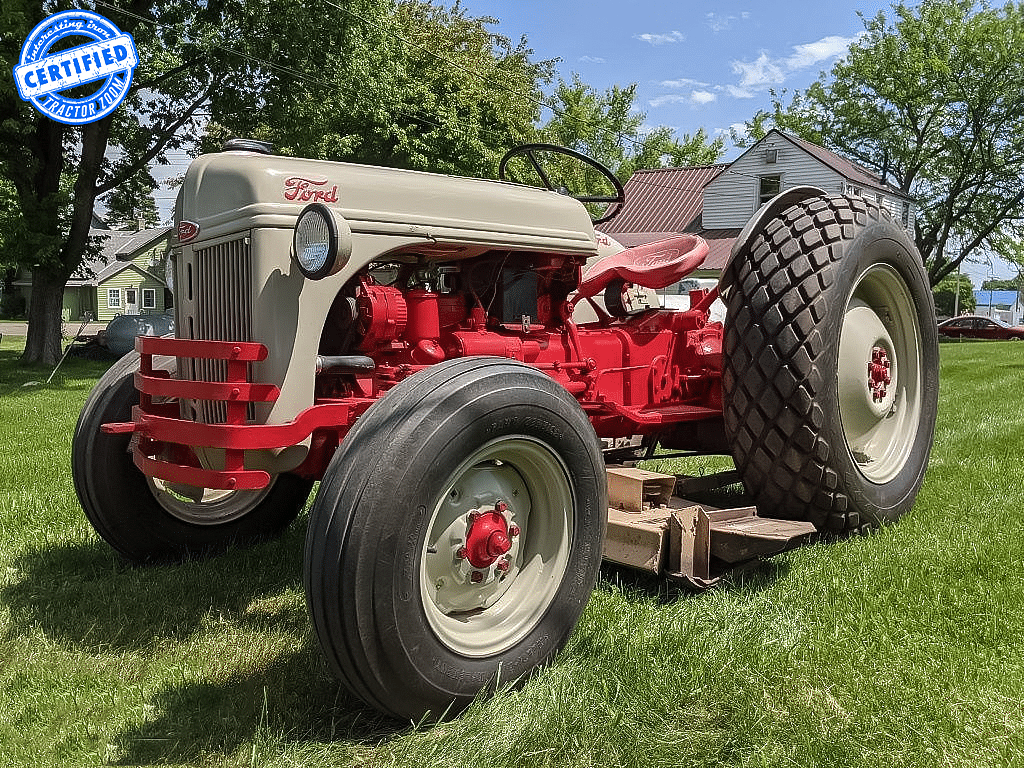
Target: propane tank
[(122, 330)]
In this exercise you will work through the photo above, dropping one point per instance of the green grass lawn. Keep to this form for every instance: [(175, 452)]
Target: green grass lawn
[(902, 648)]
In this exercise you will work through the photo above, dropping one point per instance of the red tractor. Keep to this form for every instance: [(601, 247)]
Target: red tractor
[(437, 352)]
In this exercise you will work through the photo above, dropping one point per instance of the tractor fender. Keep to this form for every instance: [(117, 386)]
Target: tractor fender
[(766, 213)]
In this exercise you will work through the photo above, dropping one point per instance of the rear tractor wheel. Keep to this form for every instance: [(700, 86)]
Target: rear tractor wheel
[(830, 379)]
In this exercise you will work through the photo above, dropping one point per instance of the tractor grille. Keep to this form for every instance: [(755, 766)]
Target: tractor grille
[(216, 288)]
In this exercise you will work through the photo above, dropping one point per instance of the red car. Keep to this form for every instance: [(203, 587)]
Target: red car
[(975, 327)]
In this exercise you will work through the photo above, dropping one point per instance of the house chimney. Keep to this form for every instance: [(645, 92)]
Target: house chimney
[(140, 224)]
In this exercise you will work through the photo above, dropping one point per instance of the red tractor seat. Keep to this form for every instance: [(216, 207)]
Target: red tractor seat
[(653, 265)]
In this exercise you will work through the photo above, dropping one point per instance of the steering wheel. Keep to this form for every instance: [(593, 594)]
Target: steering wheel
[(528, 151)]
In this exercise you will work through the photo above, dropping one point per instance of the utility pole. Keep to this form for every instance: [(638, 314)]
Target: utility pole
[(956, 295)]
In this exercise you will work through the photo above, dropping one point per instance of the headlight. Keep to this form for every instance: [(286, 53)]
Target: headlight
[(322, 241)]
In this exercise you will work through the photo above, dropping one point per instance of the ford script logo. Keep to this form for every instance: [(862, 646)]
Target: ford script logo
[(187, 230), (305, 189)]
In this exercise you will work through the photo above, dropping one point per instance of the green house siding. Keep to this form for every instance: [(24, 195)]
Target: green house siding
[(113, 294), (110, 277)]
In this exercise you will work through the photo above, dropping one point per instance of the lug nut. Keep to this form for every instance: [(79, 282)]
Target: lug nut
[(501, 506), (503, 565), (462, 553), (476, 577), (513, 531)]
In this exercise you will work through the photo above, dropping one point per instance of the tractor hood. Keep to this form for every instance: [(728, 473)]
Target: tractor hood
[(230, 192)]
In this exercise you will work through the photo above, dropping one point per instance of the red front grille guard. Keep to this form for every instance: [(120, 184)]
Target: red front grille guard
[(159, 431)]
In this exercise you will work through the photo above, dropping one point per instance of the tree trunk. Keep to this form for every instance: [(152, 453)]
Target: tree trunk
[(43, 344)]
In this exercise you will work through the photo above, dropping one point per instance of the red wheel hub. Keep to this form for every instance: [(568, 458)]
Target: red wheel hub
[(879, 376), (487, 539)]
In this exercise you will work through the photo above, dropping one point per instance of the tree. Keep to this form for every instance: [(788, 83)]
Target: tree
[(58, 170), (945, 293), (930, 100), (413, 85), (605, 126), (132, 203), (1001, 285), (190, 55)]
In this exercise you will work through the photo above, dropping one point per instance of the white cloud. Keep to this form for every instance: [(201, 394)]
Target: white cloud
[(765, 71), (739, 93), (591, 60), (669, 98), (719, 23), (660, 39), (759, 74), (683, 82), (809, 54), (694, 99)]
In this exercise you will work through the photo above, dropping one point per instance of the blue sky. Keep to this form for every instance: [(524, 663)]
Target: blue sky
[(696, 64)]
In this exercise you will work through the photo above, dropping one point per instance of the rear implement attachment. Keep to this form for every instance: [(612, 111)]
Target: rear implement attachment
[(652, 529)]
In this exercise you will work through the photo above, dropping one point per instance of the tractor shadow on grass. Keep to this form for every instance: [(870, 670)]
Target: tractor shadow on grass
[(86, 595), (229, 637), (291, 698)]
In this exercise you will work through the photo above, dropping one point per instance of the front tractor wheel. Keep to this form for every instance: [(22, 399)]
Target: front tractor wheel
[(830, 379), (146, 519), (456, 536)]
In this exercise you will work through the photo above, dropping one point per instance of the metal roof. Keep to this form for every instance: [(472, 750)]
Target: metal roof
[(720, 246), (664, 200)]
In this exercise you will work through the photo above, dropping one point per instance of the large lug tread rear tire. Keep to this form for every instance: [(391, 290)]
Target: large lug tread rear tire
[(830, 281), (140, 518), (391, 597)]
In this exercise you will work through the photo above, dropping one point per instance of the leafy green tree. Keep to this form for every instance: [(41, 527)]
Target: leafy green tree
[(132, 202), (58, 171), (605, 126), (1001, 285), (411, 85), (190, 55), (930, 99), (945, 293)]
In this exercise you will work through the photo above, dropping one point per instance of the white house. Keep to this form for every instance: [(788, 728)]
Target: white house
[(716, 201), (780, 161)]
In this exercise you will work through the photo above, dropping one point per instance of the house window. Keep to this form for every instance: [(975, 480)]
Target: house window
[(114, 298), (768, 187), (131, 296), (149, 298)]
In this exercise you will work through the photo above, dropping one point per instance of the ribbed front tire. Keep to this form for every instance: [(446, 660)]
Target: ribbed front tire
[(456, 536)]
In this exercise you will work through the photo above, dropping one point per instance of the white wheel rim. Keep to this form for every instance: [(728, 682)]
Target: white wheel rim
[(495, 613), (880, 412), (205, 506)]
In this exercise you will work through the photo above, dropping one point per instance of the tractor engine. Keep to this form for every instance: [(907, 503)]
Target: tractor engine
[(630, 371)]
